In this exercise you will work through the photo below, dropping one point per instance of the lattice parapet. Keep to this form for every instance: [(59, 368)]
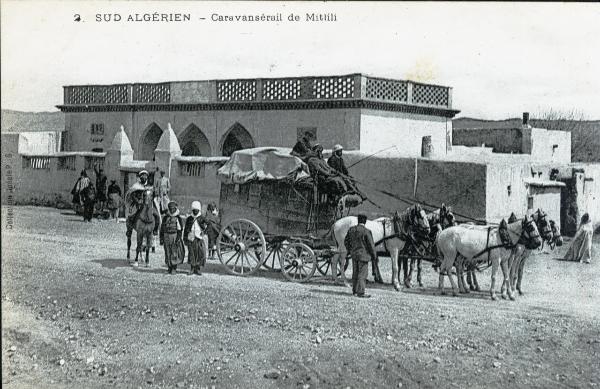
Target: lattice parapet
[(391, 90), (80, 95), (236, 90), (430, 95), (152, 93), (333, 88), (113, 94), (289, 89)]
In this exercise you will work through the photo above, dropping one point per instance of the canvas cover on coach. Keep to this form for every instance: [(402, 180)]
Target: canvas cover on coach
[(262, 163)]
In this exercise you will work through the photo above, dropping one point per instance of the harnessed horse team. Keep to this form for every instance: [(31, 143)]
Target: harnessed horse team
[(418, 235)]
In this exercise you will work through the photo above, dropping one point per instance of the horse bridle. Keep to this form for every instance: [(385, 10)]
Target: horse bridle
[(528, 233), (546, 233)]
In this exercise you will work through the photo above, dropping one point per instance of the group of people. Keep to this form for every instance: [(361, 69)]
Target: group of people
[(88, 196), (331, 176), (197, 231)]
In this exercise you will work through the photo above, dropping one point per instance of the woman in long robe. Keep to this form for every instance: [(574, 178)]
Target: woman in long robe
[(195, 227), (171, 231), (581, 246)]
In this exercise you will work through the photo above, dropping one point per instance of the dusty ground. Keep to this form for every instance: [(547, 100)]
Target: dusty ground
[(75, 315)]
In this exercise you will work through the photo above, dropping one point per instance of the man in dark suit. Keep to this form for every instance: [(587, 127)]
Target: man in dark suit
[(360, 245)]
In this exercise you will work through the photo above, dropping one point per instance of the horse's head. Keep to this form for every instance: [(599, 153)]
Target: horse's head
[(543, 225), (530, 236), (147, 197), (557, 237), (211, 208), (447, 218), (418, 220)]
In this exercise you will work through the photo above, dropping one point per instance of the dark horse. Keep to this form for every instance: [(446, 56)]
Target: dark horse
[(145, 224), (425, 246)]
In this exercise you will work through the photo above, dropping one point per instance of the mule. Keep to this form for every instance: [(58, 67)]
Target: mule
[(471, 244), (145, 227), (439, 220), (389, 234), (550, 233)]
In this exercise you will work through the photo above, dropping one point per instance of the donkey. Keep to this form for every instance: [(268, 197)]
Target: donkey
[(389, 234), (438, 220), (467, 243)]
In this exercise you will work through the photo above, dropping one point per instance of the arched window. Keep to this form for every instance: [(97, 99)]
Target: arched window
[(194, 143), (236, 138), (149, 142)]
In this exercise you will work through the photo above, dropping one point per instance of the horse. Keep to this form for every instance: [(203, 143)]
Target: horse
[(145, 226), (439, 220), (389, 234), (546, 233), (550, 233), (467, 243)]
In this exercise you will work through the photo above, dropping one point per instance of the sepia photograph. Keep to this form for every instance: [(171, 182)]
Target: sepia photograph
[(302, 194)]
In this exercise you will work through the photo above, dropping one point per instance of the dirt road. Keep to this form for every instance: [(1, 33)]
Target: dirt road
[(74, 314)]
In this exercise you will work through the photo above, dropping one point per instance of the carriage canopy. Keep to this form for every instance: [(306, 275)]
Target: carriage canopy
[(262, 163)]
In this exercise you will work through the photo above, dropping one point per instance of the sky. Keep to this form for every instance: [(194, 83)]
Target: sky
[(501, 59)]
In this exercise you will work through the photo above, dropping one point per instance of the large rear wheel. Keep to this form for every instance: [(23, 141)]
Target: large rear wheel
[(298, 262), (241, 247)]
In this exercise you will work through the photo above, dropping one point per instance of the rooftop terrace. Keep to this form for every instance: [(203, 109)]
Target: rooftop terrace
[(347, 90)]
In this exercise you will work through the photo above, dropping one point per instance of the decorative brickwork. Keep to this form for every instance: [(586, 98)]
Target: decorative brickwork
[(236, 90), (80, 95), (191, 169), (66, 163), (333, 88), (387, 89), (290, 89), (36, 162), (430, 95), (152, 93), (91, 161), (113, 94)]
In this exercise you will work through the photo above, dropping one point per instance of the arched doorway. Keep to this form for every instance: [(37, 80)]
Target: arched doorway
[(236, 138), (149, 142), (194, 143)]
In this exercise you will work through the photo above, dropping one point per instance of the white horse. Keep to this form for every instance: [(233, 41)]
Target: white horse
[(476, 243), (520, 252), (550, 234), (389, 234)]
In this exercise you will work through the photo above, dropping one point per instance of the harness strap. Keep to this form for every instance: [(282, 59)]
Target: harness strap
[(489, 248)]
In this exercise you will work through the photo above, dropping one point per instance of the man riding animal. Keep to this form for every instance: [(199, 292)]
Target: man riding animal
[(135, 202)]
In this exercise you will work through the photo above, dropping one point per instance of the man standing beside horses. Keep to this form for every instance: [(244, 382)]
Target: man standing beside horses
[(360, 245)]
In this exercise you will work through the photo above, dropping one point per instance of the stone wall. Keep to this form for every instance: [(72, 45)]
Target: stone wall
[(381, 129), (503, 140)]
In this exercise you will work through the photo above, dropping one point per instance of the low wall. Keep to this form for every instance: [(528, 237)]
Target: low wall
[(202, 186), (461, 185), (47, 180)]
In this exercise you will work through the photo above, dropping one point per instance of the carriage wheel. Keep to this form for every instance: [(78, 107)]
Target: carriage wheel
[(240, 247), (324, 265), (274, 251), (298, 262)]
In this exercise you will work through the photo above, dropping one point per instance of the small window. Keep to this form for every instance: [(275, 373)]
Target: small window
[(529, 202), (97, 129)]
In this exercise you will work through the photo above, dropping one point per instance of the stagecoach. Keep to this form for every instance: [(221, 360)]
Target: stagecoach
[(273, 216)]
